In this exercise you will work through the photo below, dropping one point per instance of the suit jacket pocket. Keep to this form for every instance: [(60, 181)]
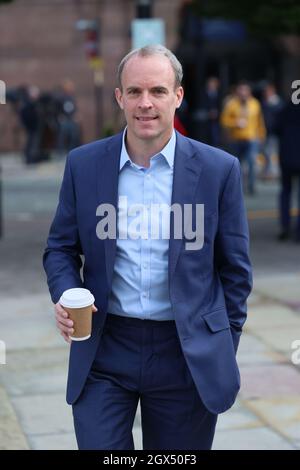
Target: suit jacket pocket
[(217, 320)]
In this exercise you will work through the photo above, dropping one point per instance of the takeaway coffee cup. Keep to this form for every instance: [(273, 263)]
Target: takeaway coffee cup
[(78, 303)]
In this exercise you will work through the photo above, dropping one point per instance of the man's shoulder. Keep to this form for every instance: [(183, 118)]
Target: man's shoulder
[(231, 102), (254, 102), (93, 149), (210, 155)]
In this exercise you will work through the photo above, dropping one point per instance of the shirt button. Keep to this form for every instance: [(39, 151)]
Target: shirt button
[(145, 295), (145, 265)]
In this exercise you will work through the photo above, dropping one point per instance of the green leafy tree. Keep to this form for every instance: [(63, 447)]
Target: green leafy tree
[(269, 18)]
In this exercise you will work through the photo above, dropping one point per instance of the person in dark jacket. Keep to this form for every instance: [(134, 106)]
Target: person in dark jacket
[(29, 117), (289, 152), (69, 128), (208, 114), (272, 104)]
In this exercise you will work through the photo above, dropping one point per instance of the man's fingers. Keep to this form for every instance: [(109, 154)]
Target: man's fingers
[(94, 309), (64, 321), (66, 337), (62, 316), (64, 329), (61, 311), (66, 334)]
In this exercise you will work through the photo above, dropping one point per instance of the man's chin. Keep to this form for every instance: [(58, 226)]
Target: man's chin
[(150, 133), (147, 134)]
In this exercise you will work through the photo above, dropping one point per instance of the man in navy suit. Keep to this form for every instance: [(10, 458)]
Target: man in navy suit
[(170, 303)]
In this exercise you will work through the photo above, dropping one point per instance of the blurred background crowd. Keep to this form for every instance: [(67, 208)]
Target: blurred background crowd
[(239, 65), (48, 120)]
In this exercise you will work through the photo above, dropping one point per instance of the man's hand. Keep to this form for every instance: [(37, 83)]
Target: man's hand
[(64, 323)]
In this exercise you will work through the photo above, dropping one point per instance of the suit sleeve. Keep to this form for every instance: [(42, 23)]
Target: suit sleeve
[(232, 252), (61, 259)]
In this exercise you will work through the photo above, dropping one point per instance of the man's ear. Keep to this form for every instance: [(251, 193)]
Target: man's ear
[(179, 94), (118, 95)]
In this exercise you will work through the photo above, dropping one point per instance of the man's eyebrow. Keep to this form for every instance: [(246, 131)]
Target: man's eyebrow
[(154, 88), (159, 88), (132, 88)]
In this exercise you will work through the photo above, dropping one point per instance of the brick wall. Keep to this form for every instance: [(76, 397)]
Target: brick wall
[(40, 45)]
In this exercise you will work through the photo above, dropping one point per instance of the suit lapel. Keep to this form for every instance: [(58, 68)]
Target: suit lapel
[(107, 188), (187, 171)]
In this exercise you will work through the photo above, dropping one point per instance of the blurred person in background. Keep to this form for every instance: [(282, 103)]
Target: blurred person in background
[(48, 124), (272, 104), (289, 157), (244, 127), (68, 126), (28, 111), (206, 117), (37, 113), (212, 105)]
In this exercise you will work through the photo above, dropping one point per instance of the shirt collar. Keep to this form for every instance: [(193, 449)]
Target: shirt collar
[(168, 151)]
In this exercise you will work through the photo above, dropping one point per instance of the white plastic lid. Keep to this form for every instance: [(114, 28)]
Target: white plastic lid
[(77, 298)]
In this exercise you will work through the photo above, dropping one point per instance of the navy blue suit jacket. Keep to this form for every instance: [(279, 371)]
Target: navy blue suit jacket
[(208, 287)]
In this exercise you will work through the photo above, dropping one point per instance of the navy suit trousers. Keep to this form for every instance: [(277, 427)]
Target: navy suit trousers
[(141, 360)]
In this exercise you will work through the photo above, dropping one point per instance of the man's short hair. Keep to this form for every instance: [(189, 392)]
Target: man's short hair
[(148, 51), (243, 82)]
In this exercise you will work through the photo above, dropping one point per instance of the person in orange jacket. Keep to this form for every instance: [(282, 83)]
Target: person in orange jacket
[(243, 123)]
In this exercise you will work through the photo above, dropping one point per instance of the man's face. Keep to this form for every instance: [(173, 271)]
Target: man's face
[(149, 97), (243, 92)]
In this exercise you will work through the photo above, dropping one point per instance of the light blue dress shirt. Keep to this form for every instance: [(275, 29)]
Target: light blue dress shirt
[(140, 278)]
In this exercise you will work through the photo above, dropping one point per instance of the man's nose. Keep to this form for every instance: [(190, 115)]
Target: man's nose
[(145, 101)]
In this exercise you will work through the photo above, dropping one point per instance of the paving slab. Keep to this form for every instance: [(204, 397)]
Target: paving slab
[(36, 315), (269, 381), (12, 436), (65, 441), (282, 414), (274, 287), (40, 372), (254, 299), (252, 350), (238, 419), (250, 439), (137, 437), (280, 339), (271, 315), (44, 414)]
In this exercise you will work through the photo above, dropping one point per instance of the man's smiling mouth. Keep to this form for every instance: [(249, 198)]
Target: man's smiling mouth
[(146, 118)]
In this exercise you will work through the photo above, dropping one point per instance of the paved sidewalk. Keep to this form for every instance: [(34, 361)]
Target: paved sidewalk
[(33, 412)]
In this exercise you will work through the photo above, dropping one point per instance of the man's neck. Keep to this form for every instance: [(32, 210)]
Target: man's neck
[(141, 151)]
